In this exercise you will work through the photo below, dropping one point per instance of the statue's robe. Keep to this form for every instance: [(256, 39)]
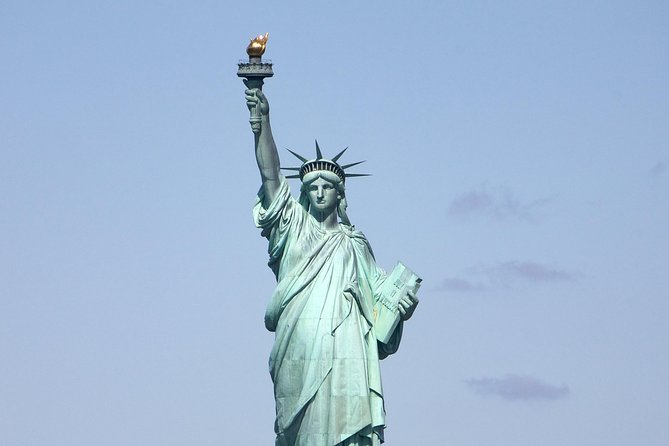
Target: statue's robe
[(325, 358)]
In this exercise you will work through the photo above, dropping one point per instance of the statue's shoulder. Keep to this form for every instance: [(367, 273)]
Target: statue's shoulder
[(351, 231), (356, 236)]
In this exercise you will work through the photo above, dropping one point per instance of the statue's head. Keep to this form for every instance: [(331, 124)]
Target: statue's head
[(324, 191), (323, 183)]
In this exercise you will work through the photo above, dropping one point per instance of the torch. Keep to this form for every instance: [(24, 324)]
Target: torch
[(255, 71)]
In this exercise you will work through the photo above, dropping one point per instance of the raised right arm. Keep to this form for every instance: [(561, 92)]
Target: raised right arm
[(267, 155)]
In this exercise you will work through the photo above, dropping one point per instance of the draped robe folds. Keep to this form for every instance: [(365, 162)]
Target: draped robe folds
[(325, 359)]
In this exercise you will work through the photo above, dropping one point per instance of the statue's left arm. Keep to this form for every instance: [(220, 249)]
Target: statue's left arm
[(406, 306)]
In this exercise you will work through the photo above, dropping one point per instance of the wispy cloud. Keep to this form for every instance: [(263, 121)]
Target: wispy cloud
[(518, 387), (527, 270), (470, 202), (460, 284), (506, 274), (658, 169), (499, 204)]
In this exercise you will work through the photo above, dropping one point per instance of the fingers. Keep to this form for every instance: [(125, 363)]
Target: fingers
[(251, 98), (407, 304), (404, 304), (254, 96), (412, 296)]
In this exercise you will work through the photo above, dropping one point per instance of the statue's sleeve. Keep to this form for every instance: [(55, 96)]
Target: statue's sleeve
[(277, 220), (393, 344), (376, 277)]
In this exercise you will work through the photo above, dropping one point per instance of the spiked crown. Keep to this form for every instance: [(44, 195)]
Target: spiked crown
[(321, 163)]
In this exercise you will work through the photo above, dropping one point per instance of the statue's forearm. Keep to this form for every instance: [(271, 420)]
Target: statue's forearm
[(267, 158)]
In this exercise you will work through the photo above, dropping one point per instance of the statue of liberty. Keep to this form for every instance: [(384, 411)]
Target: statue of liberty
[(325, 309)]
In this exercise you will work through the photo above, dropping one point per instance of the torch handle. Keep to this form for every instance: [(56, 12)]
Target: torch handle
[(255, 117)]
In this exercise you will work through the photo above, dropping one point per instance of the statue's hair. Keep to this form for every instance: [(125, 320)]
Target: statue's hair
[(336, 182)]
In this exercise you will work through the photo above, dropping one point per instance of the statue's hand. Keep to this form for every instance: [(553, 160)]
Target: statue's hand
[(407, 305), (256, 98)]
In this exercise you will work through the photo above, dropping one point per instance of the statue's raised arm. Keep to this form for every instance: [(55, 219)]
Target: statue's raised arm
[(267, 156), (334, 313)]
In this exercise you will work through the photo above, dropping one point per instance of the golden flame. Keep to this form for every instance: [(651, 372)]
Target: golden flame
[(257, 45)]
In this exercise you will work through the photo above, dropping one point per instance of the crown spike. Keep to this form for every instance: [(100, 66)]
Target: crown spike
[(323, 164), (352, 164), (319, 155), (300, 157), (337, 156)]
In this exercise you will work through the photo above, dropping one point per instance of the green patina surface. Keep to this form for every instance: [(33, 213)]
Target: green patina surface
[(325, 359)]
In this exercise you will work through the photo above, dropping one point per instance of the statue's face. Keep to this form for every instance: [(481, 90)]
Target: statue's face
[(323, 196)]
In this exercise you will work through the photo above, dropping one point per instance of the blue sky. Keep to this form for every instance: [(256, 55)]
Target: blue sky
[(520, 160)]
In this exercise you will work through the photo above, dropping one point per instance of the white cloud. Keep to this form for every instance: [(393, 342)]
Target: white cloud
[(518, 387), (528, 270), (658, 169), (506, 274), (497, 205), (459, 284)]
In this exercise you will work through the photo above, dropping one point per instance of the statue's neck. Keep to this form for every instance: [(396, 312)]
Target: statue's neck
[(327, 221)]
